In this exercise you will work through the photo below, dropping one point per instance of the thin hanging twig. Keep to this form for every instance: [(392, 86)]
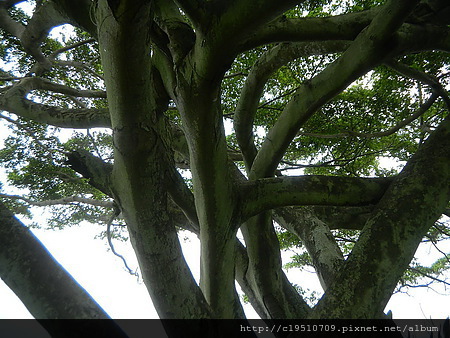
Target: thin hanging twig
[(114, 214)]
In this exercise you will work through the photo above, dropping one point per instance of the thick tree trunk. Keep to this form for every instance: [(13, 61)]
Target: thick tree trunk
[(141, 158)]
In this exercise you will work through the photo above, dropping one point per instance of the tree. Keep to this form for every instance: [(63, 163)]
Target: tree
[(326, 87)]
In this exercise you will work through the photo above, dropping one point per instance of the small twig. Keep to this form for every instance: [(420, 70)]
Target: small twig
[(440, 251), (422, 110), (429, 276), (69, 47), (115, 213), (289, 92)]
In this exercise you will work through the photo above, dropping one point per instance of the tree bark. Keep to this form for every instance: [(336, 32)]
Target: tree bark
[(141, 158), (45, 288), (391, 235)]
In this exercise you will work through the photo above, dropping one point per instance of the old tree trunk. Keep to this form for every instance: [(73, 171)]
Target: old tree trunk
[(171, 73)]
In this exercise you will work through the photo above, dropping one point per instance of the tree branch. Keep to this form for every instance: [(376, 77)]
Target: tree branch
[(79, 13), (92, 168), (341, 217), (416, 74), (195, 11), (114, 214), (340, 27), (46, 289), (416, 38), (319, 241), (269, 193), (434, 279), (44, 18), (8, 24), (391, 235), (368, 50), (241, 18), (35, 83), (72, 46), (253, 87), (447, 212), (14, 100)]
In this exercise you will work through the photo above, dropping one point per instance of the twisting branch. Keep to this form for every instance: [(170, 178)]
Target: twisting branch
[(114, 214), (366, 51), (260, 73), (14, 100)]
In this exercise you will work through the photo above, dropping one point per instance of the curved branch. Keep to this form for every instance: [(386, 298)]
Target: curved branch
[(240, 18), (43, 20), (79, 13), (114, 214), (269, 193), (14, 100), (423, 77), (368, 50), (253, 87), (195, 10)]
